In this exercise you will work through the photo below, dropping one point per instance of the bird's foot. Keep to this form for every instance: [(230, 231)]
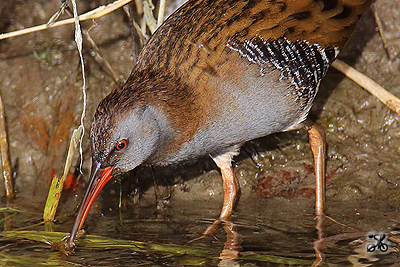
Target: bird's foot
[(210, 230), (63, 245)]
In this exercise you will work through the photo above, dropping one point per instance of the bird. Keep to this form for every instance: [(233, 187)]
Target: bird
[(216, 74)]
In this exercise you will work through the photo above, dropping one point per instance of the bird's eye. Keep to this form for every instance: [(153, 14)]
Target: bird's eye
[(121, 145)]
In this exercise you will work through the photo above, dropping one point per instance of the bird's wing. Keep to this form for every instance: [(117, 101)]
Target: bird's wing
[(200, 27)]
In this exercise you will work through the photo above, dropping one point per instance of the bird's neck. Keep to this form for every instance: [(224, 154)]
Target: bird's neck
[(165, 133)]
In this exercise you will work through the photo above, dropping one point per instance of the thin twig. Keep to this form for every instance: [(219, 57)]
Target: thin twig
[(381, 32), (79, 46), (391, 101), (387, 180), (341, 224), (60, 11), (93, 14), (127, 11), (5, 156), (100, 57), (142, 36)]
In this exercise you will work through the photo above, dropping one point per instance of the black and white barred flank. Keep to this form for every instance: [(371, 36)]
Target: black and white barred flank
[(303, 63)]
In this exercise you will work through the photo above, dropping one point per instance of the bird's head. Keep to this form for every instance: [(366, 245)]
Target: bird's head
[(123, 136)]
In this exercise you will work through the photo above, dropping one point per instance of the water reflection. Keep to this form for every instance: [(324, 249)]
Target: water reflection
[(319, 243), (232, 247)]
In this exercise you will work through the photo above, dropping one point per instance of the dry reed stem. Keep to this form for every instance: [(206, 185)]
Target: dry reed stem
[(142, 35), (151, 22), (93, 14), (57, 183), (161, 12), (4, 155), (368, 84)]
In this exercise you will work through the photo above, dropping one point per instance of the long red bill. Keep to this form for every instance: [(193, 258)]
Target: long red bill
[(98, 179)]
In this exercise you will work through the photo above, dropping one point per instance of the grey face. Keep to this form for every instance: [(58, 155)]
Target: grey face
[(126, 140)]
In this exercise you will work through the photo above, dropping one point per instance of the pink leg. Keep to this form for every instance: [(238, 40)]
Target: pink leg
[(231, 187), (317, 141)]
